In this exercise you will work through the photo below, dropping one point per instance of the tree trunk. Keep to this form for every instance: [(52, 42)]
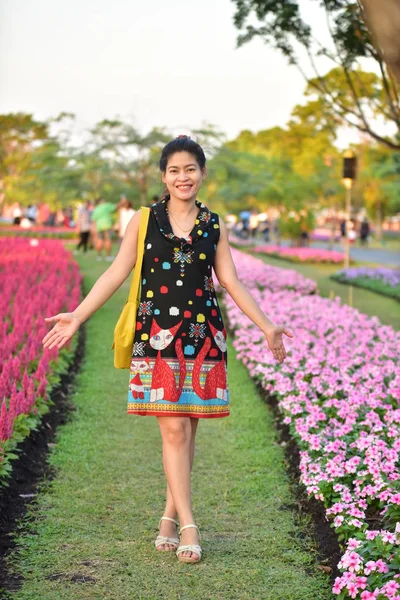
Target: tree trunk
[(379, 221), (383, 18)]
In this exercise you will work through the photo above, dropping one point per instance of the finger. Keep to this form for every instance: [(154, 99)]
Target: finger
[(288, 333), (280, 353), (50, 335), (55, 341), (52, 319), (62, 342)]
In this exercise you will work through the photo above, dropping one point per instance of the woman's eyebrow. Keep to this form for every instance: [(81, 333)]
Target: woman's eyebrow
[(189, 165)]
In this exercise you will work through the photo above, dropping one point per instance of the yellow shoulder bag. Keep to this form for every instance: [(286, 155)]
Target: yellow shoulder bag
[(125, 328)]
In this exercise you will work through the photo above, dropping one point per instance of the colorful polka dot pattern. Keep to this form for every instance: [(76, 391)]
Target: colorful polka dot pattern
[(179, 323)]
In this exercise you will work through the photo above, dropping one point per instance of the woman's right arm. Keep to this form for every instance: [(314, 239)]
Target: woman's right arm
[(103, 289)]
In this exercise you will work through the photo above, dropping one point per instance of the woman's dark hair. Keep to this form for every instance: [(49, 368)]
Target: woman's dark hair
[(183, 143)]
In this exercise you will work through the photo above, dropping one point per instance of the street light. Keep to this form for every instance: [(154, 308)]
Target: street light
[(349, 175)]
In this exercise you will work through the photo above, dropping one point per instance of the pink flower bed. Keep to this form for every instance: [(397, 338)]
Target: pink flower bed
[(338, 391), (253, 272), (38, 278), (302, 254)]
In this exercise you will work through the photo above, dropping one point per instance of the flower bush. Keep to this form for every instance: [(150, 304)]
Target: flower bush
[(37, 279), (382, 279), (253, 272), (315, 255), (338, 391), (388, 276), (39, 231)]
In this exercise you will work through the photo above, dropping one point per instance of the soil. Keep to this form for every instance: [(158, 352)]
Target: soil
[(329, 552), (31, 467)]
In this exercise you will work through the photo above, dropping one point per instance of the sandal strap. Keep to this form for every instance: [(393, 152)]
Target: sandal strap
[(168, 519), (190, 525), (190, 548), (162, 539)]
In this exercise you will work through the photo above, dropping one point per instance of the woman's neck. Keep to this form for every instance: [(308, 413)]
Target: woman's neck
[(181, 208)]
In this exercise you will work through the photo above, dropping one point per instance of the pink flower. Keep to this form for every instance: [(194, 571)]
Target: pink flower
[(369, 595), (338, 585), (381, 566)]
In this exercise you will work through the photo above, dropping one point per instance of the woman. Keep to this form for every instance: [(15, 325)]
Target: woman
[(178, 367)]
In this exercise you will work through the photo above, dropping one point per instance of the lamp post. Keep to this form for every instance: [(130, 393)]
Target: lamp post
[(349, 175)]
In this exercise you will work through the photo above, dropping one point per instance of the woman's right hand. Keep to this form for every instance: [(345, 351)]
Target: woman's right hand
[(63, 330)]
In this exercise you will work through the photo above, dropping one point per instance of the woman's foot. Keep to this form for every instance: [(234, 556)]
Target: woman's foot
[(190, 537), (167, 539)]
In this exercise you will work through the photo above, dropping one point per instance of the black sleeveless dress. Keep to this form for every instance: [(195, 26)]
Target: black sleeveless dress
[(179, 355)]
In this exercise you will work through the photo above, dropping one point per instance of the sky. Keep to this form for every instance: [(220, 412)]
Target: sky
[(159, 63)]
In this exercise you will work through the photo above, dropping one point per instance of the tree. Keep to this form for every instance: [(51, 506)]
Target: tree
[(280, 24), (132, 156), (20, 138), (377, 187)]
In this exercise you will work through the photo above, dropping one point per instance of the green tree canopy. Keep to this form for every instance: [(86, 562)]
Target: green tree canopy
[(352, 97)]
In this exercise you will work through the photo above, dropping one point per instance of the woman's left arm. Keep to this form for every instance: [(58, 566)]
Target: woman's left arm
[(225, 270)]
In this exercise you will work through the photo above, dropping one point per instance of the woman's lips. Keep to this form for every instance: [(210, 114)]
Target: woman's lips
[(183, 187)]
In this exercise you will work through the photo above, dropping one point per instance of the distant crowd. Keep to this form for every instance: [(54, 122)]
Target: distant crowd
[(96, 221)]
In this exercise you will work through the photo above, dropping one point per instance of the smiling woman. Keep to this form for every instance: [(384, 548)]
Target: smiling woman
[(178, 370)]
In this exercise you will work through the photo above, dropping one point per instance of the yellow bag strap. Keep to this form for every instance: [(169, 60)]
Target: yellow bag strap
[(144, 219)]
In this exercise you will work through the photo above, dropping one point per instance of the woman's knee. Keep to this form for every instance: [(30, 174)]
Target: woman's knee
[(176, 431)]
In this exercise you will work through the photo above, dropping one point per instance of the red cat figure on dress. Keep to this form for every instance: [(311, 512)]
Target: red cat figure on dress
[(135, 384), (163, 384), (215, 385)]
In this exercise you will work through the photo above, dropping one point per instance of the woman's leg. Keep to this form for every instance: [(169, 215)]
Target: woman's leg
[(178, 441), (170, 510)]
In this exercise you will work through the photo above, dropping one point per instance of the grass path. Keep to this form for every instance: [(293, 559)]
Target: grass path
[(366, 301), (90, 534)]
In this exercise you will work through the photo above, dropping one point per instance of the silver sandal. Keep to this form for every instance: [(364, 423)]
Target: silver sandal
[(162, 539), (189, 547)]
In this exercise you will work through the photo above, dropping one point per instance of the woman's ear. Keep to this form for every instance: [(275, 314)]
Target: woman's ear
[(163, 177), (204, 172)]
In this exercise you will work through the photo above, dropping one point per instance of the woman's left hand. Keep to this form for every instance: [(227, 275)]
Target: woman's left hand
[(275, 343)]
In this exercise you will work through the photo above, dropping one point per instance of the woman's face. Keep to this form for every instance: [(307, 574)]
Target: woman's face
[(183, 176)]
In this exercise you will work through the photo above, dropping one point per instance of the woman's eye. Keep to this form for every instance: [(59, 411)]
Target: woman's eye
[(156, 337)]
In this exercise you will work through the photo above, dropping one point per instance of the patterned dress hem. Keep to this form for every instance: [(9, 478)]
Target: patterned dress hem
[(180, 414)]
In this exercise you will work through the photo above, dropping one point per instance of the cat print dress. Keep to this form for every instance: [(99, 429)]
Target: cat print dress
[(179, 355)]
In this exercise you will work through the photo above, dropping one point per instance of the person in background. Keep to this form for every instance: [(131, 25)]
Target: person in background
[(245, 224), (32, 212), (17, 214), (265, 230), (103, 217), (43, 213), (343, 228), (253, 223), (83, 226), (125, 214), (364, 231)]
